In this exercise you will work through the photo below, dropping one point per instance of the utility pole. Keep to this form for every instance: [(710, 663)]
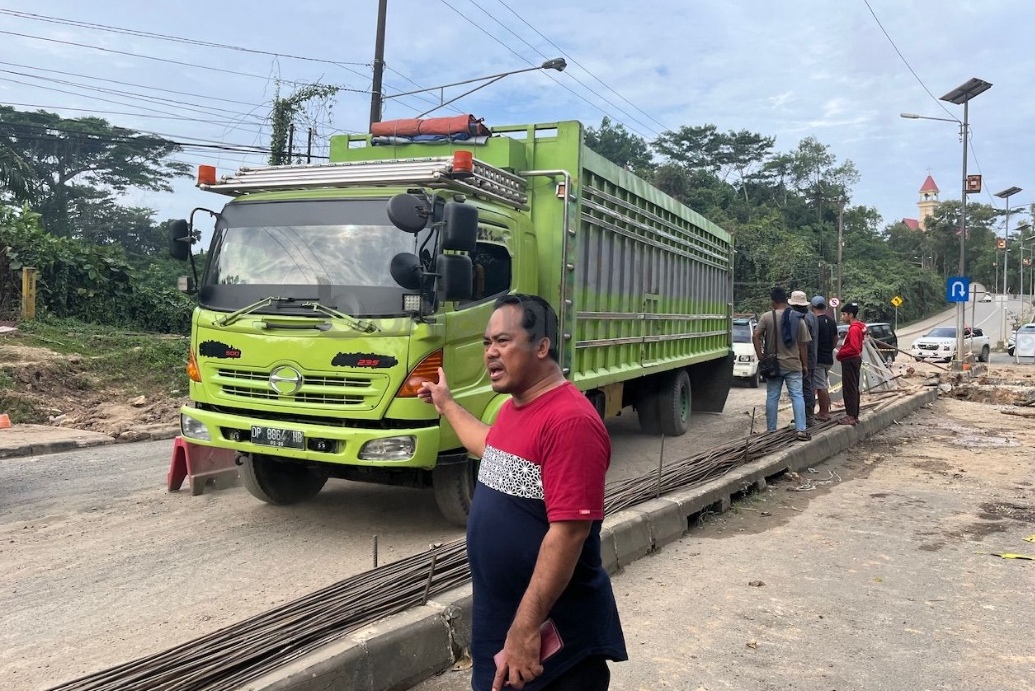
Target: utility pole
[(379, 63), (840, 249)]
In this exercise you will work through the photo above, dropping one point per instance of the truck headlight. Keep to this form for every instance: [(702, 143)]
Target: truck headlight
[(389, 449), (193, 429)]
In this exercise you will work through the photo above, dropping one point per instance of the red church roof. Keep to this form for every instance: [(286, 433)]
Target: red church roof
[(911, 223), (929, 185)]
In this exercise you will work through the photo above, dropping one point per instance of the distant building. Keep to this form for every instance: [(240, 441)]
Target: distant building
[(927, 203)]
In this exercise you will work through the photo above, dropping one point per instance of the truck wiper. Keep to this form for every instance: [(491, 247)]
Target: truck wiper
[(234, 316), (357, 324), (315, 305)]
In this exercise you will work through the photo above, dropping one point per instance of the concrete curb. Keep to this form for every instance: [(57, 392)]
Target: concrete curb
[(402, 650), (40, 448)]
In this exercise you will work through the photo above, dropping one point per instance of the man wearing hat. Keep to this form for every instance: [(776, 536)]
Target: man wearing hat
[(826, 341), (799, 302), (791, 348)]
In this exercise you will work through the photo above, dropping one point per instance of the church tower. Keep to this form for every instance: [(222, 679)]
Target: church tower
[(928, 200)]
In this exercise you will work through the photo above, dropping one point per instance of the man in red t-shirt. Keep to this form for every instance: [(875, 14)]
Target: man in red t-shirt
[(850, 357), (533, 534)]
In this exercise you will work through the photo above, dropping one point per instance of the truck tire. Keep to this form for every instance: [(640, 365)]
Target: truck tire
[(674, 403), (279, 482), (754, 380), (454, 488), (983, 357)]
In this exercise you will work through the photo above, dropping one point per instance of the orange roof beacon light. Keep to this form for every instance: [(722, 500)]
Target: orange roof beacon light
[(463, 163), (206, 175)]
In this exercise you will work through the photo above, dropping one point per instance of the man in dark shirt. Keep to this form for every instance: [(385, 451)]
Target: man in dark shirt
[(826, 340), (533, 534)]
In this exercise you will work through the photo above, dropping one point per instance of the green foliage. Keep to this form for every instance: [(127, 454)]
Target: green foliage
[(150, 362), (79, 162), (621, 147), (284, 111), (87, 282)]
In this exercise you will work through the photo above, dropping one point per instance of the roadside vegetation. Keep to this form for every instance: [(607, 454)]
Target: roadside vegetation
[(106, 287)]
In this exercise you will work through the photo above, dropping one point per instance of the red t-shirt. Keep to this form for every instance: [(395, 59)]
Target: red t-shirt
[(544, 462)]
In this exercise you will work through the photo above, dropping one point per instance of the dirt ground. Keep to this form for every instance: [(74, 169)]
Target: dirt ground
[(70, 394)]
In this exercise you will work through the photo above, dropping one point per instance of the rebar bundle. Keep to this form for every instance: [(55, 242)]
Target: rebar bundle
[(246, 650)]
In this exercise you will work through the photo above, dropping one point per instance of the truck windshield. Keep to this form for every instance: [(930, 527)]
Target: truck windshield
[(741, 333), (943, 332), (336, 252)]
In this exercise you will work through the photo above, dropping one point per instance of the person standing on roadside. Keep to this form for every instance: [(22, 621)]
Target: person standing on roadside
[(850, 357), (789, 339), (533, 534), (799, 302), (826, 340)]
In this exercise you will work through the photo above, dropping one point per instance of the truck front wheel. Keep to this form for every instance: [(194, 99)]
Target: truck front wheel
[(279, 482), (454, 488)]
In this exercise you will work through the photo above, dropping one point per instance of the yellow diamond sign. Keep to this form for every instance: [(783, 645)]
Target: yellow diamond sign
[(897, 301)]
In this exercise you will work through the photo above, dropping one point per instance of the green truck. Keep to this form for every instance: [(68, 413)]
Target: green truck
[(331, 291)]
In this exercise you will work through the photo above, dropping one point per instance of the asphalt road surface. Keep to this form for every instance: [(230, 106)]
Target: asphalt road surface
[(99, 559)]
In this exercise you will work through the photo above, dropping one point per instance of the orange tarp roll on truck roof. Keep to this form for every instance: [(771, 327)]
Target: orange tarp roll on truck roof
[(412, 127)]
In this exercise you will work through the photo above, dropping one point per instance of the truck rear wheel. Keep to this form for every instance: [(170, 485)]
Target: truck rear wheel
[(279, 482), (454, 488), (647, 406), (674, 403)]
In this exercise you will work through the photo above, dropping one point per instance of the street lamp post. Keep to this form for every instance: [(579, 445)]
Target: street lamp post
[(961, 95), (1006, 194), (555, 64)]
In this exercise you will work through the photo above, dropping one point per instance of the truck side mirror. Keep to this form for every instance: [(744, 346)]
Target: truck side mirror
[(409, 212), (406, 270), (455, 277), (459, 227), (179, 240)]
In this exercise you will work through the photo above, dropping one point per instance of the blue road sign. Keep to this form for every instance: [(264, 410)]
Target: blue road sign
[(957, 289)]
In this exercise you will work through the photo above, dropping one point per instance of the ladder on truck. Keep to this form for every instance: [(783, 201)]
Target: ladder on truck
[(483, 180)]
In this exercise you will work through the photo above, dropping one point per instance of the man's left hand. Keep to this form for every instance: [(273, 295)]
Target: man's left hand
[(519, 660)]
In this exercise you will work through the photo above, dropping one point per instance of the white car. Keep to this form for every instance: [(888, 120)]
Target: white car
[(1026, 328), (745, 364), (987, 298)]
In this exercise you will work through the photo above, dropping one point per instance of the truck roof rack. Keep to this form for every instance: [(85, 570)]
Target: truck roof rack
[(483, 181)]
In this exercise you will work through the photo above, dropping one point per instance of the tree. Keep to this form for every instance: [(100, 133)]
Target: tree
[(80, 158), (16, 175), (621, 147)]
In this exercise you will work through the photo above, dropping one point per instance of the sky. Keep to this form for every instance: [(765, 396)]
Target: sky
[(841, 72)]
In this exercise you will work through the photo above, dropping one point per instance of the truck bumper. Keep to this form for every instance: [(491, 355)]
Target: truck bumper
[(745, 370), (931, 355), (320, 443)]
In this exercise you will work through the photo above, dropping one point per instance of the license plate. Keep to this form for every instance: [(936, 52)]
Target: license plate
[(281, 438)]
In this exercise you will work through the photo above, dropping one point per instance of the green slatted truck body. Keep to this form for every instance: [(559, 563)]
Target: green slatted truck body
[(641, 283)]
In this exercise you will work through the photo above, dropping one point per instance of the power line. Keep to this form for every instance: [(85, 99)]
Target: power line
[(581, 66), (108, 100), (906, 62), (525, 60), (146, 57), (121, 112), (175, 39), (139, 86)]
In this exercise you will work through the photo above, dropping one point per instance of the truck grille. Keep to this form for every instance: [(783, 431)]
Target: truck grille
[(925, 346), (356, 391)]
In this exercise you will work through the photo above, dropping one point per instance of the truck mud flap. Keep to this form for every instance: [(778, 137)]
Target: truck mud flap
[(710, 383)]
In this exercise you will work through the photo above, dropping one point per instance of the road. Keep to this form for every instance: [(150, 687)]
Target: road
[(99, 559), (988, 316)]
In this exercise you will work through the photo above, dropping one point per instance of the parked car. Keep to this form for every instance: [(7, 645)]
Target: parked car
[(883, 335), (940, 344), (1026, 328), (745, 364)]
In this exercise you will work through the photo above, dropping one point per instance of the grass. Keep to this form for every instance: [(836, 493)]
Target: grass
[(134, 360)]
